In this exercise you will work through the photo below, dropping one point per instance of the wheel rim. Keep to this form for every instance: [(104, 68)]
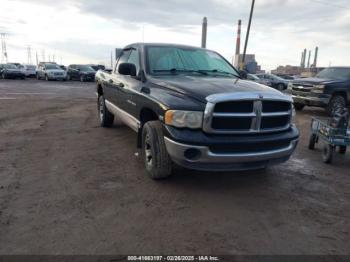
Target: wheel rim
[(101, 109), (148, 151)]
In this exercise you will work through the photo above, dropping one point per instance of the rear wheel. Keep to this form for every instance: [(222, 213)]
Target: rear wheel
[(328, 153), (337, 103), (157, 161), (312, 141), (106, 117), (298, 106)]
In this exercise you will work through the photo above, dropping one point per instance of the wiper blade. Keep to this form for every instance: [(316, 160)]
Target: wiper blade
[(175, 70), (218, 71)]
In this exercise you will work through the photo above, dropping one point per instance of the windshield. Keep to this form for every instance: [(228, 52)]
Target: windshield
[(48, 66), (10, 66), (277, 78), (86, 69), (334, 73), (169, 59)]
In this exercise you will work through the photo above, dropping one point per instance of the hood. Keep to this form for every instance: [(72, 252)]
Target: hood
[(201, 87), (314, 81), (55, 71), (13, 70)]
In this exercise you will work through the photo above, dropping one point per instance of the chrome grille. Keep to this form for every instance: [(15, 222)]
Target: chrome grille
[(247, 113)]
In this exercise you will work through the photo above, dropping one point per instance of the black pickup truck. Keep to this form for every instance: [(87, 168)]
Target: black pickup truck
[(190, 107), (330, 89)]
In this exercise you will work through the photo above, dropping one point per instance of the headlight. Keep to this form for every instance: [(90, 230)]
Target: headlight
[(318, 89), (178, 118), (293, 115)]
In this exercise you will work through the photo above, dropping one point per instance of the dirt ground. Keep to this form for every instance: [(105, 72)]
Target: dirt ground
[(68, 186)]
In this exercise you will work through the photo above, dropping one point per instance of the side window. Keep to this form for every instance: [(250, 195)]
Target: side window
[(122, 59), (134, 59)]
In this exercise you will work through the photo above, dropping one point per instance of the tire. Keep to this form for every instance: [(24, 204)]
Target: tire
[(299, 106), (312, 141), (157, 161), (106, 117), (280, 87), (47, 78), (337, 102), (37, 77), (82, 78), (342, 150), (3, 76), (327, 155), (68, 77)]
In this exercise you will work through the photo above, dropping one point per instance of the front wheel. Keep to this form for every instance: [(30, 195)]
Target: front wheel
[(82, 79), (47, 78), (106, 117), (157, 161), (336, 104), (280, 87)]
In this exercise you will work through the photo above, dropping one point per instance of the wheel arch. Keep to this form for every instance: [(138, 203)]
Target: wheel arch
[(146, 114)]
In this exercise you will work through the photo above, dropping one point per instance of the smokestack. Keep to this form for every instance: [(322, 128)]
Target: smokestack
[(304, 58), (308, 61), (315, 59), (204, 32), (238, 44)]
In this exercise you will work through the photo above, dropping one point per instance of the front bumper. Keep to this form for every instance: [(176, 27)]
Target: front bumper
[(311, 99), (242, 159), (14, 75)]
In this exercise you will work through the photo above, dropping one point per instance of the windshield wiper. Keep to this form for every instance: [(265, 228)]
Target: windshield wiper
[(175, 70), (218, 71)]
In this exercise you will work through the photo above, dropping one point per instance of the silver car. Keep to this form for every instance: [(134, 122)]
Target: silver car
[(49, 71)]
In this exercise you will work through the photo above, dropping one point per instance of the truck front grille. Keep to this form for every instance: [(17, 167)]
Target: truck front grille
[(248, 115)]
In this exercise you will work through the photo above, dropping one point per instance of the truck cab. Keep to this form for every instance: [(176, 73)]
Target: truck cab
[(190, 107)]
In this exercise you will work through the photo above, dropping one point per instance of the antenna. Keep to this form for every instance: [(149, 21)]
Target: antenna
[(4, 57)]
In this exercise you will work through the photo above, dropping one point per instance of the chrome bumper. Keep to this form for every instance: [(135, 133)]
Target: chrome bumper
[(208, 160)]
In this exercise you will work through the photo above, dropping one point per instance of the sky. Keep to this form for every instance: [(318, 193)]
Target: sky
[(86, 31)]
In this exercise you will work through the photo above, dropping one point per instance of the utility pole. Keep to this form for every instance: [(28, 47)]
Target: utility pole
[(247, 36), (308, 61), (4, 57), (204, 32), (36, 56)]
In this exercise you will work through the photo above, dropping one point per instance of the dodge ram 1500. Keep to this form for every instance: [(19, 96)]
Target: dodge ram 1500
[(189, 106)]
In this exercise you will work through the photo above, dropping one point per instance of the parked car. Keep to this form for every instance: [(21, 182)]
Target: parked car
[(63, 67), (285, 76), (189, 106), (276, 82), (11, 71), (50, 71), (97, 67), (28, 70), (329, 89), (80, 72), (256, 79)]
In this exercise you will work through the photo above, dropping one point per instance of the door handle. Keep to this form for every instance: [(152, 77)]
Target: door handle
[(120, 85), (110, 81)]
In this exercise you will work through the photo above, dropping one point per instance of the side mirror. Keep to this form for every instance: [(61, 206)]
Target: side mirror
[(243, 74), (127, 69)]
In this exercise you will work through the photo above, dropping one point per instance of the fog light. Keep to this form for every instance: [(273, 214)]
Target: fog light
[(192, 154)]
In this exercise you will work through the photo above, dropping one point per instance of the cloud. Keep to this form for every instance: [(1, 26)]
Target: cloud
[(88, 29)]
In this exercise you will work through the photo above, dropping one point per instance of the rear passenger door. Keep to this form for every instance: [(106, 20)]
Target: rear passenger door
[(115, 85)]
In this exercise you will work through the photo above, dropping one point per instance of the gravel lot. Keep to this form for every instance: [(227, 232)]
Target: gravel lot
[(68, 186)]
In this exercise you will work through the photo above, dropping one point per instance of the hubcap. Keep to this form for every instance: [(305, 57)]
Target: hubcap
[(148, 151)]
